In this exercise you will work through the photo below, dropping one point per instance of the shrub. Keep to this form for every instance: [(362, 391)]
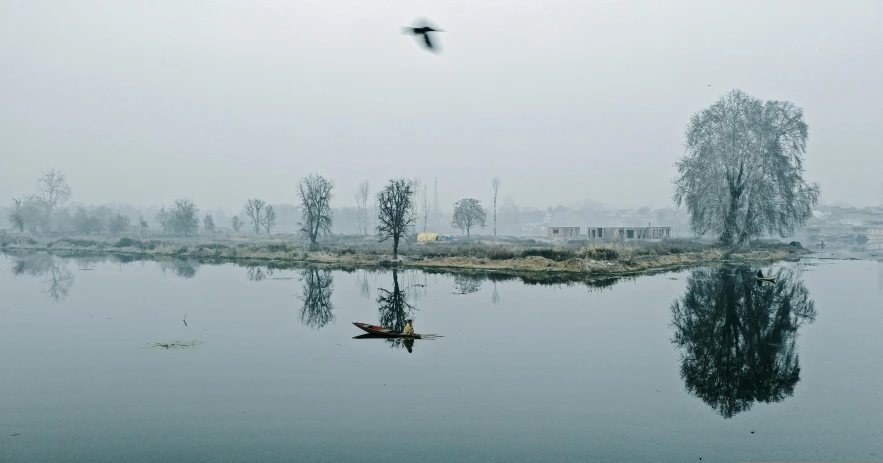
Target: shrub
[(551, 254), (499, 253), (125, 243), (602, 254)]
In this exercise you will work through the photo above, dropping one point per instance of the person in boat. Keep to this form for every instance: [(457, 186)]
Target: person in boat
[(760, 278), (409, 328)]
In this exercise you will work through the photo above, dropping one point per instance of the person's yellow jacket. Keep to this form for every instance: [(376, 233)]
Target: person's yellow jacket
[(409, 330)]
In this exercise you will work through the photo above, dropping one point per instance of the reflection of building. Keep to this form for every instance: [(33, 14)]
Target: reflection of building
[(630, 233), (562, 233)]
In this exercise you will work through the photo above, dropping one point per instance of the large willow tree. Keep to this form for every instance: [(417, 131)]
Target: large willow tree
[(742, 173)]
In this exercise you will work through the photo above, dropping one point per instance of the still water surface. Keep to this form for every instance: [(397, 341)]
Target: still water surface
[(702, 363)]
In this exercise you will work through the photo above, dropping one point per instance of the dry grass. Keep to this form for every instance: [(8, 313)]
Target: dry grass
[(504, 254)]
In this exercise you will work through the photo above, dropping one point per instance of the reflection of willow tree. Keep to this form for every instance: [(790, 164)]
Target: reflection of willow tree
[(256, 273), (466, 284), (364, 287), (180, 267), (738, 338), (317, 310), (394, 308), (57, 278), (495, 297)]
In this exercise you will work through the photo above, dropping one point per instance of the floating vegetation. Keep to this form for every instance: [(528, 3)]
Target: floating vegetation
[(176, 344)]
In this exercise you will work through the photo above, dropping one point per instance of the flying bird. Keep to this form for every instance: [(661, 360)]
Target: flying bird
[(423, 30)]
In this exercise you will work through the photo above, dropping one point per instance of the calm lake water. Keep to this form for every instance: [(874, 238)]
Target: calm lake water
[(703, 363)]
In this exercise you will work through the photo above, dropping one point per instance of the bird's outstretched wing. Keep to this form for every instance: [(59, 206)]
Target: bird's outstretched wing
[(427, 41)]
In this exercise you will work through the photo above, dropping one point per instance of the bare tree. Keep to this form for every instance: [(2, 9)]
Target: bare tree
[(208, 224), (16, 216), (163, 216), (315, 196), (269, 220), (496, 184), (425, 206), (435, 206), (468, 213), (742, 175), (362, 206), (415, 203), (236, 223), (54, 190), (142, 224), (253, 209), (395, 213)]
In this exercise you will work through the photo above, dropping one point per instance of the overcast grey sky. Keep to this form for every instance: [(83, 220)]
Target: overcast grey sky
[(220, 101)]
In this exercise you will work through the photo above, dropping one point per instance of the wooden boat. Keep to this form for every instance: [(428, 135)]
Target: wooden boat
[(380, 331), (761, 278)]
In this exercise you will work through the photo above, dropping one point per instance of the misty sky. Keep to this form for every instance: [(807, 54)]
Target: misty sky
[(220, 101)]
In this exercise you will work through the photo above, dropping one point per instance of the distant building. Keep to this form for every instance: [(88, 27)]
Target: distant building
[(562, 233), (629, 233), (532, 230)]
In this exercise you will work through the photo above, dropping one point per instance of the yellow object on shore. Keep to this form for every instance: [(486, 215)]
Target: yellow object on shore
[(427, 236)]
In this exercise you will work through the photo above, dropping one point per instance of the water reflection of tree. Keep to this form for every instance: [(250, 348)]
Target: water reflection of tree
[(257, 273), (57, 278), (317, 310), (738, 338), (495, 297), (466, 284), (364, 286), (180, 267), (394, 308)]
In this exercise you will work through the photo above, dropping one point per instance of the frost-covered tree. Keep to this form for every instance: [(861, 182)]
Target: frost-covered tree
[(253, 210), (16, 216), (496, 185), (208, 224), (54, 189), (742, 174), (118, 223), (468, 214), (269, 220), (362, 206), (236, 223), (184, 218)]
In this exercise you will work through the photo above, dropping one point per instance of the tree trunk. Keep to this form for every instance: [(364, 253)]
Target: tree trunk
[(728, 236), (395, 247)]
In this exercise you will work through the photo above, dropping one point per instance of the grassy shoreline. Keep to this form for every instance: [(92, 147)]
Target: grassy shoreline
[(510, 256)]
